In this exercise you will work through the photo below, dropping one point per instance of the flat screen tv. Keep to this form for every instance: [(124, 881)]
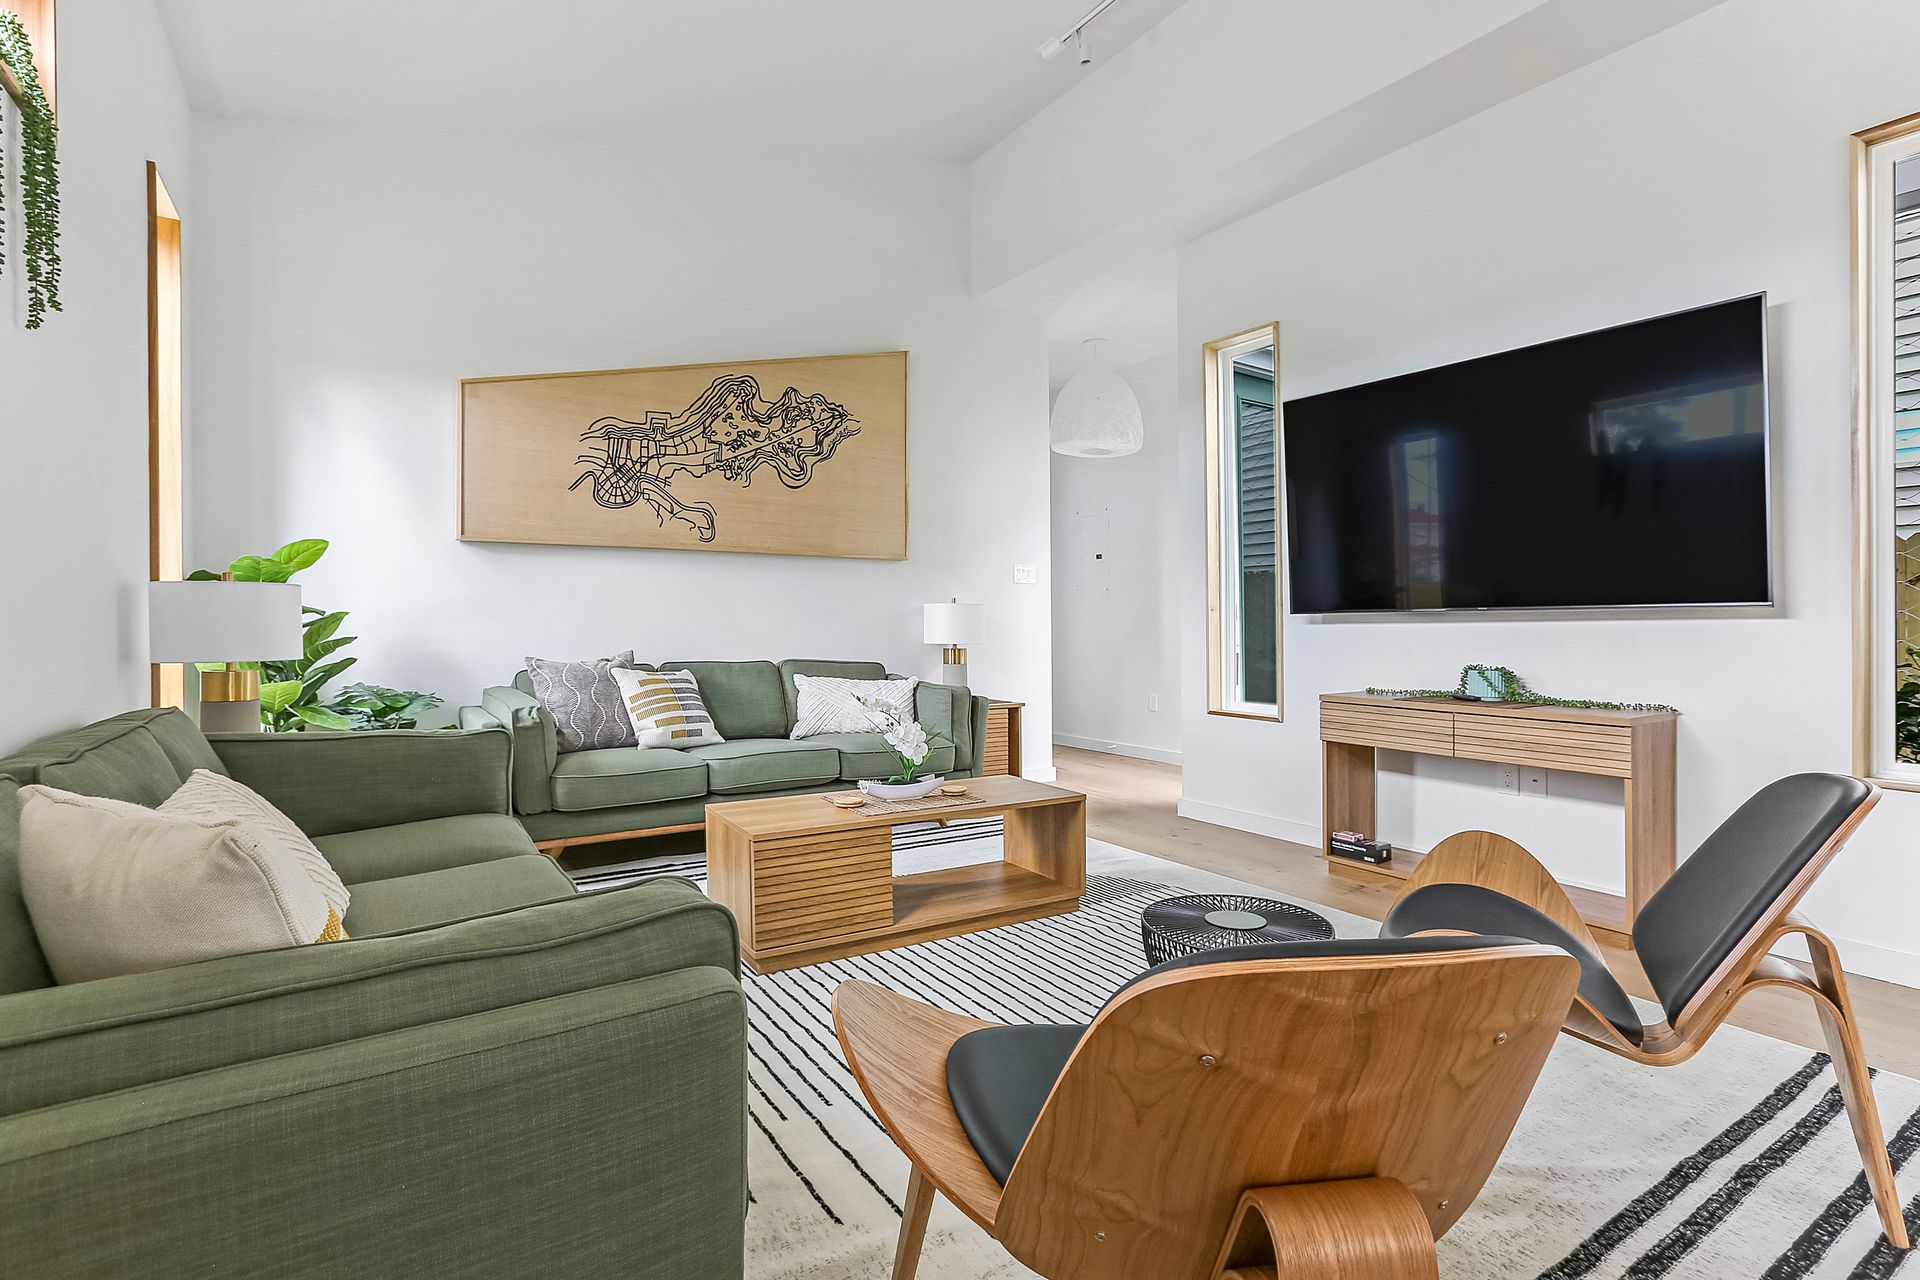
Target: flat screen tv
[(1621, 468)]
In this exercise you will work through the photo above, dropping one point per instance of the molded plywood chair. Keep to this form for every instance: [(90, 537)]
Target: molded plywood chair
[(1336, 1104), (1703, 938)]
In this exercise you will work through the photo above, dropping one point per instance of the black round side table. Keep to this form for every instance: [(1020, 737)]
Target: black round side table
[(1204, 922)]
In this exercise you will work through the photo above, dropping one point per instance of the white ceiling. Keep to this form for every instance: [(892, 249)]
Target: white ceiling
[(911, 78)]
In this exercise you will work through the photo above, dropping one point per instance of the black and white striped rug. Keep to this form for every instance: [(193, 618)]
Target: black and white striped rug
[(1739, 1163)]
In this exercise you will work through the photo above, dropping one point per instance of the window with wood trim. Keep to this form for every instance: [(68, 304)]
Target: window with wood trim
[(1245, 594), (166, 377)]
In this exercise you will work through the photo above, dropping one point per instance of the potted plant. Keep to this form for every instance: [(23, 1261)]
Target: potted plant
[(910, 746)]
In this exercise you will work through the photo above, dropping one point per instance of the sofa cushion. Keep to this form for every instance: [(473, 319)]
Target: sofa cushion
[(583, 701), (23, 966), (765, 764), (120, 758), (865, 755), (626, 775), (455, 893), (115, 888), (744, 698), (820, 667), (214, 797), (408, 848)]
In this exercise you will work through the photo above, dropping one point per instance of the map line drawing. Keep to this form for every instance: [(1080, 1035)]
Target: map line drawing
[(731, 430)]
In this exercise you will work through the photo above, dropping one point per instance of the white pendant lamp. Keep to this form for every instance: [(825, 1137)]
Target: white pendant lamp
[(1096, 415)]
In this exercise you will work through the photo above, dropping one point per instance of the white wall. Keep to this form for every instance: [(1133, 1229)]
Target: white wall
[(1707, 162), (73, 394), (345, 282), (1116, 632)]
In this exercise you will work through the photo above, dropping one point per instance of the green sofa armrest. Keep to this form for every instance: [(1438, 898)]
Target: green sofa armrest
[(536, 744), (333, 782), (601, 1132), (947, 710), (59, 1044)]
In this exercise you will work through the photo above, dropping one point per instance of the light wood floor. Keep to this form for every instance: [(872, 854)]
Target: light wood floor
[(1131, 803)]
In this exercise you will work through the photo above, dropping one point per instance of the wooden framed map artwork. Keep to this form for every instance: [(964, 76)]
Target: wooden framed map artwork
[(804, 457)]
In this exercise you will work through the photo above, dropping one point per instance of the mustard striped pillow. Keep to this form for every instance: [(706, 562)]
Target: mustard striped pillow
[(666, 708)]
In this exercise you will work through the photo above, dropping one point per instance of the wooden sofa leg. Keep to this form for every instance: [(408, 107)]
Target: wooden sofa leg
[(913, 1225), (1856, 1085), (1360, 1229)]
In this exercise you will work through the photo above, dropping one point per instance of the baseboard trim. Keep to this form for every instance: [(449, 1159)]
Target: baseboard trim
[(1259, 824), (1157, 754)]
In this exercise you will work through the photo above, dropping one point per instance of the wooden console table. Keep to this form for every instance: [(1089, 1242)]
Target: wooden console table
[(1634, 746)]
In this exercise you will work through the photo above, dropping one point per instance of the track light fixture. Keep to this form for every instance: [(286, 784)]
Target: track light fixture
[(1077, 36)]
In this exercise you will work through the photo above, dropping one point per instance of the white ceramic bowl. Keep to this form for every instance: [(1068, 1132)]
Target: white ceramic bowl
[(902, 790)]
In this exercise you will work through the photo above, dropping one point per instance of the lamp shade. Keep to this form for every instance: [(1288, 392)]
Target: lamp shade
[(1097, 416), (223, 622), (955, 623)]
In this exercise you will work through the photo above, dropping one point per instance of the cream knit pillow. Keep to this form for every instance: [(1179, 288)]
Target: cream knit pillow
[(214, 797), (832, 704), (115, 888)]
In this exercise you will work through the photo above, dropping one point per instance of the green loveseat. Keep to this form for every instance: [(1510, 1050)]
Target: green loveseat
[(564, 796), (494, 1076)]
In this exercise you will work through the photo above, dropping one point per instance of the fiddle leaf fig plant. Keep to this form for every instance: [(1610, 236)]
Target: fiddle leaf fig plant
[(39, 174)]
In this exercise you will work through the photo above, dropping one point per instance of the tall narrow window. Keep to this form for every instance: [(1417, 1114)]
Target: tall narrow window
[(1887, 444), (1243, 524), (166, 558)]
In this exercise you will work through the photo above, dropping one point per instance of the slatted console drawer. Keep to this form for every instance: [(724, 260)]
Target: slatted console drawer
[(1550, 744), (1395, 728), (816, 887)]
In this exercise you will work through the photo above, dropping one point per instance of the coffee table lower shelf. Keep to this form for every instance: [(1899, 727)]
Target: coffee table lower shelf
[(934, 904)]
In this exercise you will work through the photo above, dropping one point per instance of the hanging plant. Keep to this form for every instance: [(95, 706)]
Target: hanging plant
[(39, 176)]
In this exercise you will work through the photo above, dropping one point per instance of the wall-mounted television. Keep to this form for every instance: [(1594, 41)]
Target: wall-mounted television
[(1622, 468)]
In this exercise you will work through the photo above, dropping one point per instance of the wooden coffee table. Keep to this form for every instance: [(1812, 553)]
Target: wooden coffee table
[(809, 882)]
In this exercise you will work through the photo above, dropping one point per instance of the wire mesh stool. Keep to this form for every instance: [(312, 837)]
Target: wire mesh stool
[(1186, 926)]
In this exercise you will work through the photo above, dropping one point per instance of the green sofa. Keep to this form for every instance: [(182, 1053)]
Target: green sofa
[(564, 796), (494, 1076)]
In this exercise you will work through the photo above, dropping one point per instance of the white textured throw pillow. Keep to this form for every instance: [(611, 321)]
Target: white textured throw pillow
[(666, 708), (115, 888), (830, 704), (214, 797)]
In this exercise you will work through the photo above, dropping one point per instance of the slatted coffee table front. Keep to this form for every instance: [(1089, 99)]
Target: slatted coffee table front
[(809, 882)]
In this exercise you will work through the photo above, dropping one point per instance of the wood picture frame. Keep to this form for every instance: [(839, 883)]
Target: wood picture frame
[(802, 456)]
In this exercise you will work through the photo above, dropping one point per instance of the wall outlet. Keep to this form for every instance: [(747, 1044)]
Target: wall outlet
[(1533, 781), (1153, 702), (1025, 574), (1510, 779)]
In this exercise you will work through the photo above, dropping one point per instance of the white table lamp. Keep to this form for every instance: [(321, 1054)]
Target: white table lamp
[(230, 622), (955, 626)]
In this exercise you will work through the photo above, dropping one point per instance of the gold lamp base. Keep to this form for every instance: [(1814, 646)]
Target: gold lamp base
[(954, 670), (230, 684), (230, 700)]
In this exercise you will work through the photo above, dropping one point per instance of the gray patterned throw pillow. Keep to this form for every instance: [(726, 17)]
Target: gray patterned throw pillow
[(584, 701)]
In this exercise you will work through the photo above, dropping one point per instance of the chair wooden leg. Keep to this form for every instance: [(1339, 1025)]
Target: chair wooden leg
[(1361, 1229), (1856, 1087), (913, 1225)]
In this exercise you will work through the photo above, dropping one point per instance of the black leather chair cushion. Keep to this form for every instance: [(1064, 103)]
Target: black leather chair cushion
[(1481, 910), (999, 1077), (1699, 916)]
